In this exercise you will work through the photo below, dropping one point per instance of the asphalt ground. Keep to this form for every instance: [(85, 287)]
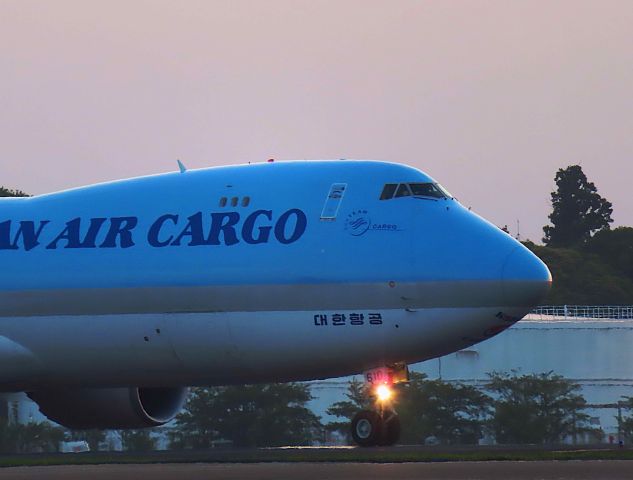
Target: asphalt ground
[(589, 469)]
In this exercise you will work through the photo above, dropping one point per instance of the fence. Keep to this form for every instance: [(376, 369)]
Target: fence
[(617, 312)]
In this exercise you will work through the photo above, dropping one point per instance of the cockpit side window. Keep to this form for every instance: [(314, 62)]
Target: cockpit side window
[(403, 191), (388, 191), (426, 190), (444, 191)]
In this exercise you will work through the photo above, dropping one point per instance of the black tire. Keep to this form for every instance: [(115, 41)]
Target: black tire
[(366, 428), (390, 430)]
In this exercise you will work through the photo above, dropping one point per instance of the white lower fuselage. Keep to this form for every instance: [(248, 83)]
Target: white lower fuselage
[(225, 348)]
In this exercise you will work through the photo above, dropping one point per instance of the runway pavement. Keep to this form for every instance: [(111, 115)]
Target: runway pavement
[(612, 469)]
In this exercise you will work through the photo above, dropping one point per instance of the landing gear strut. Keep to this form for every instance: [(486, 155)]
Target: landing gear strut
[(380, 426)]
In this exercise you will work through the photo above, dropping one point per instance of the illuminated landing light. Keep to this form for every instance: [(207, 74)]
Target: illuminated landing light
[(383, 392)]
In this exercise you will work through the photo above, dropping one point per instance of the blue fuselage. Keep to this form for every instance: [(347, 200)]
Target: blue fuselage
[(290, 270)]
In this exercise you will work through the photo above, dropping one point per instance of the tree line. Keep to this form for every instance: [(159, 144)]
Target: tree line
[(510, 408), (6, 192), (38, 437)]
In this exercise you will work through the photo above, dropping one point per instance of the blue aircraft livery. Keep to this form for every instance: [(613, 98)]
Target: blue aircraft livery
[(116, 297)]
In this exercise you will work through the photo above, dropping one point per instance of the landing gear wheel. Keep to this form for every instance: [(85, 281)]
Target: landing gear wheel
[(390, 430), (367, 428)]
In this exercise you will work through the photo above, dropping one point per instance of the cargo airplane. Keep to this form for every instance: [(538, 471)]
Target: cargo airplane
[(116, 297)]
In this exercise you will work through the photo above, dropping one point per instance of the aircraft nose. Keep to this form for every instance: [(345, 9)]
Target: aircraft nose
[(526, 279)]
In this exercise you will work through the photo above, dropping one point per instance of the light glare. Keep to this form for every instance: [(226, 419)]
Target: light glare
[(383, 392)]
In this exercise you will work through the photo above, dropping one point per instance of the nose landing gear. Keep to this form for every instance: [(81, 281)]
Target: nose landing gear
[(370, 428), (380, 427)]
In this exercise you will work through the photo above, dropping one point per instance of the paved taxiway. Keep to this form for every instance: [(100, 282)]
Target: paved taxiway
[(612, 469)]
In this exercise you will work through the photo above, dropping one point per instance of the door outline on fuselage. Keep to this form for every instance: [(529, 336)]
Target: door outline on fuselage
[(333, 202)]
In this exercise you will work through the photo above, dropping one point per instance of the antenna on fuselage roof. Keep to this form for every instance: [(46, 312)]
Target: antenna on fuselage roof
[(181, 166)]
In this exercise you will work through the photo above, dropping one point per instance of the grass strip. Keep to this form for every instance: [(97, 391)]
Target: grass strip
[(378, 455)]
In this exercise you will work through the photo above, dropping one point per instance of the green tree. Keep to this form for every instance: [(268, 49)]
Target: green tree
[(578, 210), (138, 440), (626, 423), (615, 247), (536, 408), (247, 416), (453, 413), (5, 192), (357, 400), (582, 277), (8, 438), (39, 437), (30, 438)]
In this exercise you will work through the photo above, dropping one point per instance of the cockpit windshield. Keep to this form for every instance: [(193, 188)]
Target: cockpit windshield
[(423, 190), (426, 190), (403, 190)]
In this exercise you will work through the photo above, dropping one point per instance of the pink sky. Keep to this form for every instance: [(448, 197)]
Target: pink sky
[(489, 97)]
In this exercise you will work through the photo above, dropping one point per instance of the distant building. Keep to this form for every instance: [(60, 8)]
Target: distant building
[(18, 408)]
